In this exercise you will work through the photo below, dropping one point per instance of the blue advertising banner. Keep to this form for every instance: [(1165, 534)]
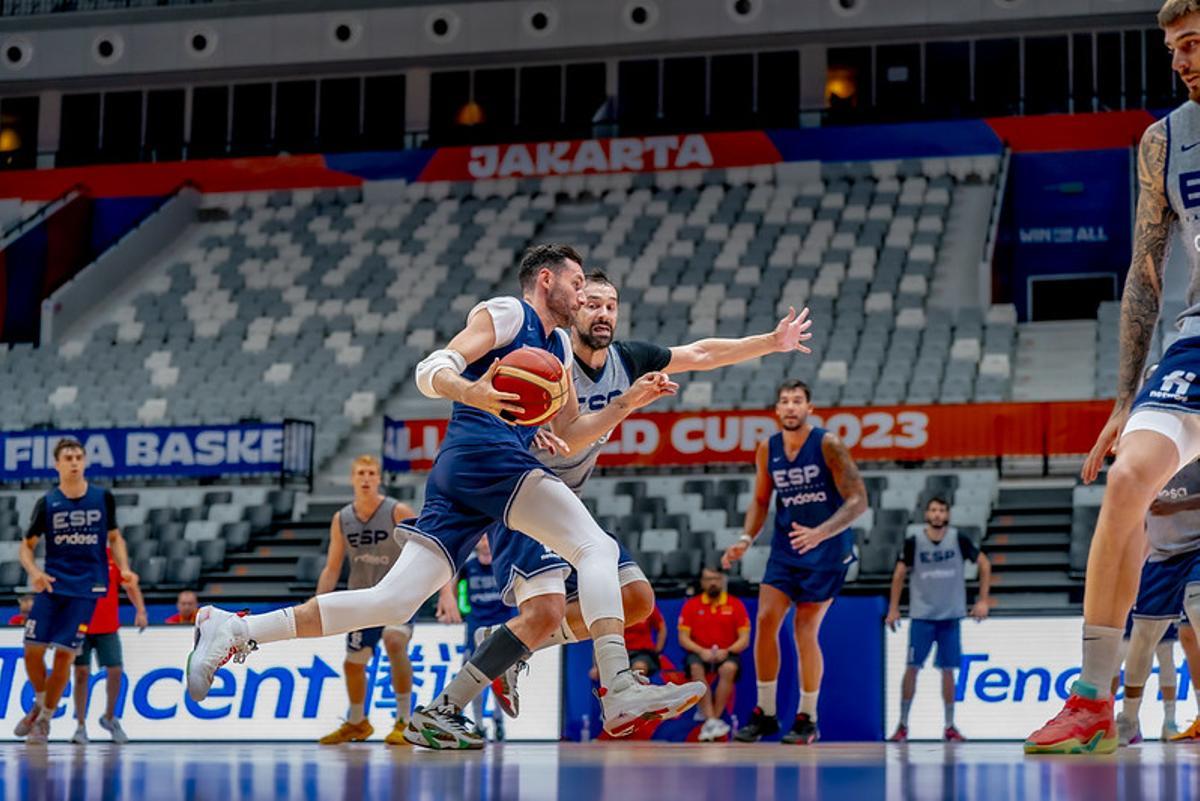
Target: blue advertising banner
[(193, 451)]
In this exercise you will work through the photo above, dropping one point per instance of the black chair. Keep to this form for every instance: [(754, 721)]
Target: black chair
[(184, 572), (259, 517), (9, 517), (878, 559), (655, 508), (700, 486), (218, 496), (282, 502), (733, 486), (974, 533), (632, 523), (177, 551), (168, 532), (635, 489), (8, 502), (135, 533), (161, 516), (697, 541), (11, 574), (308, 569), (193, 513), (683, 564), (632, 540), (126, 499), (680, 522), (151, 571), (142, 549), (212, 554), (651, 563), (236, 536)]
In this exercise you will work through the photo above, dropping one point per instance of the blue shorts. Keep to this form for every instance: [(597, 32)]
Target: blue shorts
[(805, 585), (518, 555), (367, 639), (1170, 389), (467, 491), (59, 620), (922, 634), (1160, 593)]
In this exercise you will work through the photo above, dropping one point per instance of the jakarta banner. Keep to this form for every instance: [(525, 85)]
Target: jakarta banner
[(880, 433), (181, 451)]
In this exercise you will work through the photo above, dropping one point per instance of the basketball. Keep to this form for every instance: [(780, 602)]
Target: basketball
[(536, 376)]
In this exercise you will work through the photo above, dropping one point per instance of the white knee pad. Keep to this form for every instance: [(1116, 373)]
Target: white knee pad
[(1181, 428), (1168, 673), (552, 582), (545, 509), (420, 571), (1145, 637)]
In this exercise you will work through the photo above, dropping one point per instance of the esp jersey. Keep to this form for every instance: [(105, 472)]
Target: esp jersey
[(76, 534), (483, 593), (476, 429), (1182, 177), (1172, 535), (373, 545), (938, 584), (805, 493)]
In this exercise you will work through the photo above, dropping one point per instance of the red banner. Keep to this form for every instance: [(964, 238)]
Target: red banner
[(879, 433), (581, 157)]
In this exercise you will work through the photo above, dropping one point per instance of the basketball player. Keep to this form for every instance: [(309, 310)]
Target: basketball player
[(818, 493), (1170, 582), (1158, 428), (79, 523), (1129, 727), (487, 610), (937, 602), (366, 528), (102, 638), (483, 473), (606, 373), (1191, 654)]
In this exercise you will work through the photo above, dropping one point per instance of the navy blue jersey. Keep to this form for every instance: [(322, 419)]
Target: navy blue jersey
[(474, 428), (805, 493), (483, 593), (76, 533)]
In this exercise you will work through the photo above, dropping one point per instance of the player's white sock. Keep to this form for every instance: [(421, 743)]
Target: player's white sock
[(468, 684), (949, 714), (477, 710), (356, 713), (403, 706), (766, 697), (1100, 647), (272, 626), (1132, 706), (561, 636), (40, 698), (808, 704), (611, 658)]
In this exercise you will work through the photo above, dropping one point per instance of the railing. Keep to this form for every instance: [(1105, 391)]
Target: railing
[(13, 232), (30, 8), (989, 246)]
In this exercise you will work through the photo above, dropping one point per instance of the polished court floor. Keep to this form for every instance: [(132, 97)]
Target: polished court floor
[(625, 772)]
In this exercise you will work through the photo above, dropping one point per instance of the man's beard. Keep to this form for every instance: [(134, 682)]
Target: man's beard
[(792, 426), (937, 526), (560, 305), (594, 342), (713, 592)]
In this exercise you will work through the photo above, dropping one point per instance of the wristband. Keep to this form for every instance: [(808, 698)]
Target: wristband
[(746, 538)]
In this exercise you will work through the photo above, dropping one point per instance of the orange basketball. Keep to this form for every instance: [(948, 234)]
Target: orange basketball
[(538, 377)]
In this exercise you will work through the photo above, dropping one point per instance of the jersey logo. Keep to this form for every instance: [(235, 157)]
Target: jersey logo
[(75, 519), (1189, 189), (795, 476), (594, 403), (1186, 148), (1177, 383), (803, 498), (933, 557), (366, 537)]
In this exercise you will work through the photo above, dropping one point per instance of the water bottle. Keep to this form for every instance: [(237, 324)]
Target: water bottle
[(733, 725), (585, 729)]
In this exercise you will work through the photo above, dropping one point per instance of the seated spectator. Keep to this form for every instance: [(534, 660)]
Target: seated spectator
[(714, 629), (187, 605), (24, 604), (645, 642)]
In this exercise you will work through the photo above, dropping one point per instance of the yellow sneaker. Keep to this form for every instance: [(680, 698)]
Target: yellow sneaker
[(396, 735), (1190, 733), (349, 733)]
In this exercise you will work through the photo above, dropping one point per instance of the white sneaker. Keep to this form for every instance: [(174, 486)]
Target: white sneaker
[(39, 732), (25, 724), (1129, 730), (113, 727), (633, 700), (220, 636), (706, 731), (80, 737), (720, 729)]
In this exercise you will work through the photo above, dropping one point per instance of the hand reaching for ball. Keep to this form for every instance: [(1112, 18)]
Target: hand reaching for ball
[(648, 389), (792, 332)]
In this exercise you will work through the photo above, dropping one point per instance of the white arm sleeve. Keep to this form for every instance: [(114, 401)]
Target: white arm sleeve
[(508, 315), (569, 357)]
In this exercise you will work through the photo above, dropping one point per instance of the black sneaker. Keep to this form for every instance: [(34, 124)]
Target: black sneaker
[(760, 726), (804, 731)]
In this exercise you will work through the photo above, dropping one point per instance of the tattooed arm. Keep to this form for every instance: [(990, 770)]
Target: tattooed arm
[(1143, 288), (849, 485)]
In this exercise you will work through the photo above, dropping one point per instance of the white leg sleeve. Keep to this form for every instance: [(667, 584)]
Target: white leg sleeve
[(418, 573), (546, 510), (1168, 673), (1145, 636)]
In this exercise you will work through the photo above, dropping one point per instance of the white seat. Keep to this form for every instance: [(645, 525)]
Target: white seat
[(225, 512), (200, 530), (660, 540), (834, 372)]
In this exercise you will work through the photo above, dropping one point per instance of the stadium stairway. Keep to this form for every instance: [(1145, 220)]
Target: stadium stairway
[(1029, 535)]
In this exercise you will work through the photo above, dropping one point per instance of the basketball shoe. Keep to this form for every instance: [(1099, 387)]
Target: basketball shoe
[(804, 731), (761, 725), (1191, 733), (1085, 725), (348, 733), (632, 699), (220, 636), (504, 686), (442, 727)]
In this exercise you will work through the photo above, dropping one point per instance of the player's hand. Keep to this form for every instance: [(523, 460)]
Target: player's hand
[(141, 621), (733, 553), (804, 539), (129, 578), (892, 621), (482, 395), (547, 440), (792, 332), (1106, 443), (447, 610), (42, 581), (980, 610), (648, 389)]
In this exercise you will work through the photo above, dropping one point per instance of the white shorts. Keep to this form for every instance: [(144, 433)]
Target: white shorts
[(1182, 428)]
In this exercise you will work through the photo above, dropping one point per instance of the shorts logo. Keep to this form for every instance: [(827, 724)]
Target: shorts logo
[(1176, 384), (30, 628)]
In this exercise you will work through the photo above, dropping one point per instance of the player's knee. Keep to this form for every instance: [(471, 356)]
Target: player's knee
[(395, 641), (542, 614), (63, 657), (696, 671), (727, 670), (638, 600), (1135, 477)]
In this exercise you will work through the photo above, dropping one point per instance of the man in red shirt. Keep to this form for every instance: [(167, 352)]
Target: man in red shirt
[(645, 641), (714, 629), (186, 605), (24, 604), (102, 638)]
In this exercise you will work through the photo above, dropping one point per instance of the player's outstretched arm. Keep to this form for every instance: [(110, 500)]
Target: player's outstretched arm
[(850, 486), (710, 354), (578, 430), (439, 375), (756, 515), (140, 618), (1143, 289), (334, 557)]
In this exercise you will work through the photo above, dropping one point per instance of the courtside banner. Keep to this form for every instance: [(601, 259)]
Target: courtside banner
[(290, 690), (149, 452), (601, 156), (880, 433), (1015, 675)]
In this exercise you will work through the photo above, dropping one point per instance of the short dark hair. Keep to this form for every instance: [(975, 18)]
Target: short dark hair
[(66, 443), (549, 257), (714, 565), (937, 499), (793, 383), (601, 277)]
